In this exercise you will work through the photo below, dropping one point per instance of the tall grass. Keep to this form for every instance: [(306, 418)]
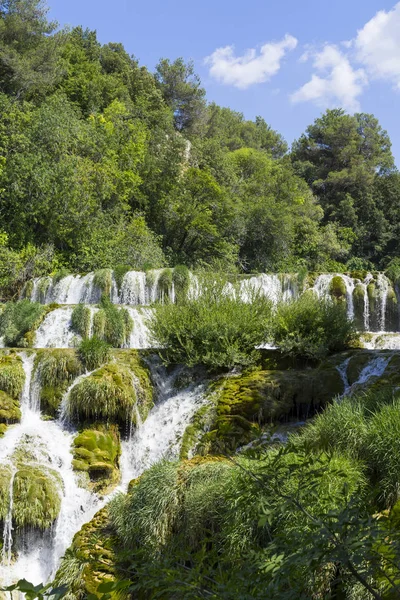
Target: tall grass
[(216, 327)]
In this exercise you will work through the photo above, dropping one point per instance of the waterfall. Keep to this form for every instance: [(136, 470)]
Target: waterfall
[(8, 529), (374, 368), (161, 433), (133, 288), (349, 283), (268, 285), (382, 283), (55, 330), (49, 445), (322, 285), (140, 335)]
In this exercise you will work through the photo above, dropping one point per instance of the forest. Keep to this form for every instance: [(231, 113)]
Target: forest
[(103, 163), (199, 336)]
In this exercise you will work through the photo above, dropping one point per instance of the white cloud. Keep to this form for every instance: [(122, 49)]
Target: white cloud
[(335, 82), (377, 45), (252, 67)]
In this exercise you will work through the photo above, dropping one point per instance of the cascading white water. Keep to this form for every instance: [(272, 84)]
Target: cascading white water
[(322, 285), (161, 433), (374, 368), (49, 444), (55, 330), (382, 284), (7, 532), (140, 335), (133, 288), (268, 285)]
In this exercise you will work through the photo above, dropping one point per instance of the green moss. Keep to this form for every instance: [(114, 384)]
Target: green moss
[(36, 497), (337, 288), (56, 370), (99, 323), (5, 481), (247, 401), (9, 409), (191, 439), (358, 302), (165, 284), (3, 429), (91, 559), (12, 376), (28, 289), (356, 364), (112, 324), (141, 380), (80, 320), (392, 311), (96, 452), (107, 394), (103, 281)]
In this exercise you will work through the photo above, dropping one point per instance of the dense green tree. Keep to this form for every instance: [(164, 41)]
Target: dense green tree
[(340, 156), (28, 53), (182, 91)]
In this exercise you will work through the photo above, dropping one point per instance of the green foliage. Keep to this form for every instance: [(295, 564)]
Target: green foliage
[(106, 394), (214, 328), (112, 324), (93, 353), (81, 319), (9, 409), (103, 281), (12, 376), (17, 320), (56, 370), (181, 280), (37, 497), (311, 328)]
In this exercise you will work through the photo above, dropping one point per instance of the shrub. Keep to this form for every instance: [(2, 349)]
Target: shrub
[(80, 320), (312, 328), (17, 319), (12, 376), (215, 328), (383, 451), (181, 280), (103, 281), (93, 352), (112, 324), (107, 394)]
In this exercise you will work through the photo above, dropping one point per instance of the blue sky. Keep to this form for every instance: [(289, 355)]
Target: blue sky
[(285, 60)]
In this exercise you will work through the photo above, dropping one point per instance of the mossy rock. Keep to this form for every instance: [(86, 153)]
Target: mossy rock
[(144, 390), (12, 376), (356, 364), (337, 288), (392, 311), (96, 452), (193, 438), (359, 306), (91, 559), (248, 401), (5, 481), (10, 411), (36, 497)]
